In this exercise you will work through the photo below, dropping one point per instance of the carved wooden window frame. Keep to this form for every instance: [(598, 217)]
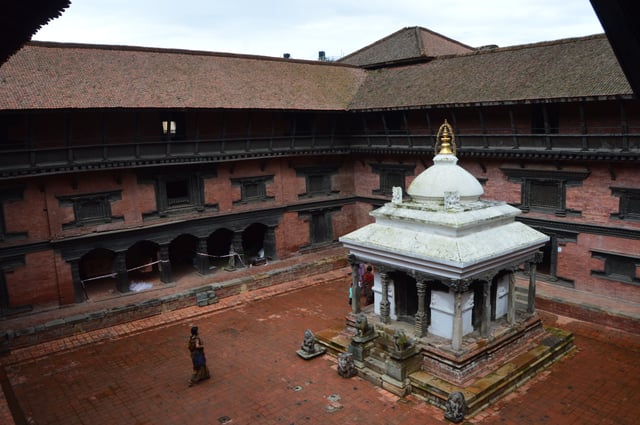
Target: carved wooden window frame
[(613, 263), (629, 205), (391, 175), (252, 189), (101, 202)]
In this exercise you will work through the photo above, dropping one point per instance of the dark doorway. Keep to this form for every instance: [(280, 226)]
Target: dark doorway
[(97, 275), (406, 296), (142, 262), (182, 254), (218, 246), (253, 241)]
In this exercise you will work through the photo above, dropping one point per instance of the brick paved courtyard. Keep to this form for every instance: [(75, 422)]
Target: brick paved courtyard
[(137, 373)]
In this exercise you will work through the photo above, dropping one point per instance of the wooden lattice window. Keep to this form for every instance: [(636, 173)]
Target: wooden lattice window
[(618, 267), (391, 175), (629, 206), (91, 209), (253, 189)]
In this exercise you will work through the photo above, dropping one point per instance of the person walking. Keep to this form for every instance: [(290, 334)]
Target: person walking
[(196, 348)]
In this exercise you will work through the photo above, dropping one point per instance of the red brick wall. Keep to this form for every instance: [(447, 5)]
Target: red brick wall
[(34, 283)]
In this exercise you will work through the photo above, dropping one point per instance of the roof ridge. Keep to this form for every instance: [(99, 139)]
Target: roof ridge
[(481, 51), (164, 50)]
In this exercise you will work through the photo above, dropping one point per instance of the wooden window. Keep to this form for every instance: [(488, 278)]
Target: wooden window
[(173, 125), (179, 193), (320, 228), (317, 180), (91, 209), (391, 175), (629, 206), (544, 190), (618, 267), (253, 189)]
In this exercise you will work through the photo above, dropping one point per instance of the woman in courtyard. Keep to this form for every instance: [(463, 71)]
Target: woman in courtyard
[(196, 348)]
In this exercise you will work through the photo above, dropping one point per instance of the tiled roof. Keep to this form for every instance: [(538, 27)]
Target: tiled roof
[(52, 75), (563, 69), (407, 44)]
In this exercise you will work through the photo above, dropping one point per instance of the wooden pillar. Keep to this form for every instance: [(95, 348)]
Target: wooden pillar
[(122, 276), (165, 264), (79, 289), (202, 258), (236, 242)]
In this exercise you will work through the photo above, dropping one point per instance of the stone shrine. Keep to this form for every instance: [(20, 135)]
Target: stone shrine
[(444, 273)]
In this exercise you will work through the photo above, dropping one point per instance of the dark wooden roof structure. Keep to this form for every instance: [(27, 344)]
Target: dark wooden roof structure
[(21, 19), (619, 18)]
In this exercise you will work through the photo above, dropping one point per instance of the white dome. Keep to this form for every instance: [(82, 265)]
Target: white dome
[(444, 176)]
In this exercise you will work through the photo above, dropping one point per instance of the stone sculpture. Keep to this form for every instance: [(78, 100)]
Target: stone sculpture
[(309, 349), (346, 366), (401, 341), (456, 407), (363, 329)]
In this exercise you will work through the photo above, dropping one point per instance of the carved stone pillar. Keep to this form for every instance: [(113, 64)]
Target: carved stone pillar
[(531, 298), (456, 339), (355, 289), (202, 259), (120, 268), (385, 306), (485, 324), (165, 264), (421, 322), (511, 307)]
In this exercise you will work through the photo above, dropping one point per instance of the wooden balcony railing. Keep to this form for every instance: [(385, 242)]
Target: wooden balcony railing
[(22, 162)]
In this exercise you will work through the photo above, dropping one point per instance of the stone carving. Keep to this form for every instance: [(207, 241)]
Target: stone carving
[(456, 407), (396, 194), (363, 329), (401, 341), (346, 366), (309, 348), (451, 200)]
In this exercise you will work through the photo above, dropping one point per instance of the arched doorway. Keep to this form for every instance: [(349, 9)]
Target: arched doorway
[(182, 254), (253, 242), (97, 275), (143, 266), (218, 246)]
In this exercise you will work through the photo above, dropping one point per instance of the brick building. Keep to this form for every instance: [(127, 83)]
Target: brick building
[(121, 165)]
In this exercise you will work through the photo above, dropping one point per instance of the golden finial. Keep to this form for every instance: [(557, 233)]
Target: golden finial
[(445, 140)]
